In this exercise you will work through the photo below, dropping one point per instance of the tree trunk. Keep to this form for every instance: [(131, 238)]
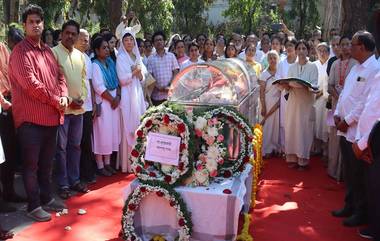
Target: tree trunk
[(332, 17), (355, 15), (115, 10)]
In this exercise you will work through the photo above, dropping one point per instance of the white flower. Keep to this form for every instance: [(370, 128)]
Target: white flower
[(213, 152), (212, 131), (201, 177), (200, 123), (211, 165), (166, 168)]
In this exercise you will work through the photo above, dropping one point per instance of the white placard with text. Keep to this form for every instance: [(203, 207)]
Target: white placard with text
[(162, 148)]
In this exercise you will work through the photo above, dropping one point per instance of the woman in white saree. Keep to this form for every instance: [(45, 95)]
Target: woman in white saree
[(130, 71)]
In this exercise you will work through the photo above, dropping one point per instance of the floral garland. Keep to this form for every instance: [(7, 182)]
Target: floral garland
[(161, 190), (166, 123), (232, 118), (212, 149)]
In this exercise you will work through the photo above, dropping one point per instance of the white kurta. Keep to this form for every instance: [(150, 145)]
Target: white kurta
[(132, 104), (106, 128), (299, 113), (271, 128), (321, 128)]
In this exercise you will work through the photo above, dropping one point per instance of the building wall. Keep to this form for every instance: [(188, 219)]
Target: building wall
[(214, 14)]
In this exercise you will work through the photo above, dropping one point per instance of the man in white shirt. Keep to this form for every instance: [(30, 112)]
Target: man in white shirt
[(369, 116), (349, 108)]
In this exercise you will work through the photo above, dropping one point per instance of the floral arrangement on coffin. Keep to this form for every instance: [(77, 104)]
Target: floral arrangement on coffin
[(166, 123), (208, 129), (161, 190)]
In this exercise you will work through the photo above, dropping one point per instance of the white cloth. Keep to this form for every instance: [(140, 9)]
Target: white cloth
[(122, 27), (271, 128), (370, 114), (321, 128), (259, 55), (299, 113), (106, 127), (87, 105), (188, 62), (354, 95), (132, 103), (215, 215)]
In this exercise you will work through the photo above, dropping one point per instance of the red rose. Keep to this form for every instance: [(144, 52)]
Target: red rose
[(227, 191), (166, 119), (133, 237), (227, 174), (140, 133), (149, 163), (181, 166), (172, 203), (142, 189), (181, 222), (168, 179), (250, 138), (240, 126), (135, 153), (138, 169), (160, 194), (148, 124), (241, 168), (181, 128), (246, 159), (182, 147), (231, 119), (131, 206), (152, 174)]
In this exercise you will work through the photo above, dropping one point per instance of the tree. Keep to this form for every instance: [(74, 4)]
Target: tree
[(303, 16), (189, 16)]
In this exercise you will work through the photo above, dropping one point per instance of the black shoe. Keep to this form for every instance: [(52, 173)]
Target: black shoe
[(80, 187), (354, 220), (365, 233), (104, 172), (342, 213), (6, 207), (110, 169)]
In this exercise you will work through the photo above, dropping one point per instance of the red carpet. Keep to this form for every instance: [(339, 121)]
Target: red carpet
[(295, 206), (292, 206)]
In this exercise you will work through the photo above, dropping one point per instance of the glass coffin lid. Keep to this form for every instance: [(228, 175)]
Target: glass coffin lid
[(219, 82)]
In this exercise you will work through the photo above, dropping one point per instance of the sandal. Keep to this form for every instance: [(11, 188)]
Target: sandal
[(64, 193)]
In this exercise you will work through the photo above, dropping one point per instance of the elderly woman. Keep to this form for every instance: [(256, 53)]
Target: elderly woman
[(130, 71), (299, 113), (106, 129), (270, 103)]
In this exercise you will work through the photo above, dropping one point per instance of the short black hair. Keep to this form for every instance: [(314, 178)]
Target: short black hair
[(291, 40), (139, 41), (71, 23), (304, 42), (159, 33), (177, 42), (32, 9), (367, 39), (96, 43), (193, 44), (344, 37)]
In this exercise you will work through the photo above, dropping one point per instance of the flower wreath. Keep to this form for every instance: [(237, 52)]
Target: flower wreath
[(166, 123), (212, 149), (231, 117), (161, 190)]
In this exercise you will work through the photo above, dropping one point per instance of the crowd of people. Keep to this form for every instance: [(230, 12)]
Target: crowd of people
[(72, 102)]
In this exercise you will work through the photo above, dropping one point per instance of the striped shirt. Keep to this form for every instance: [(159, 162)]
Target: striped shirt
[(162, 70), (4, 59), (37, 84)]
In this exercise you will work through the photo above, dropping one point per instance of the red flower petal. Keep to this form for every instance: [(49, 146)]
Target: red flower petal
[(142, 189), (140, 133), (160, 194), (168, 179), (131, 206), (148, 123), (246, 159), (172, 203), (138, 169), (182, 147), (227, 191), (135, 153), (181, 222), (227, 174), (181, 166), (152, 174), (181, 128), (166, 119)]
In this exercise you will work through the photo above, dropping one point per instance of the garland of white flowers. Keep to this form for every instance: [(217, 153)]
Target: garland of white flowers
[(166, 123), (161, 190), (232, 118)]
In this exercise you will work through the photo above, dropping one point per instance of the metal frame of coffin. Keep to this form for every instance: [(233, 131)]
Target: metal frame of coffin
[(227, 82)]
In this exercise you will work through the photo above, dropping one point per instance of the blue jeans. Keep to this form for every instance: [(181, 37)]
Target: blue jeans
[(68, 151), (37, 145)]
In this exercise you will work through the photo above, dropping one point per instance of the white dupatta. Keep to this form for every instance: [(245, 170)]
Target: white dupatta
[(132, 100)]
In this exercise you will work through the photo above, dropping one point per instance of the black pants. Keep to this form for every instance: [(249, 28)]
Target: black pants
[(354, 178), (12, 155), (38, 146), (87, 159)]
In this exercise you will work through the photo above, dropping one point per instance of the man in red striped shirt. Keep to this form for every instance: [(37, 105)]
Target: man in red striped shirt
[(39, 95)]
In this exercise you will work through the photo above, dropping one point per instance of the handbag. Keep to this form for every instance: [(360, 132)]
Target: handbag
[(98, 110)]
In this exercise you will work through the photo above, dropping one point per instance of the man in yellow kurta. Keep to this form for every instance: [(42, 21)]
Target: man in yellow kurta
[(72, 63)]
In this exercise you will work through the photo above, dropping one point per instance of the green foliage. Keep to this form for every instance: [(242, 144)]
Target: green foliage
[(303, 17), (189, 17), (53, 9)]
